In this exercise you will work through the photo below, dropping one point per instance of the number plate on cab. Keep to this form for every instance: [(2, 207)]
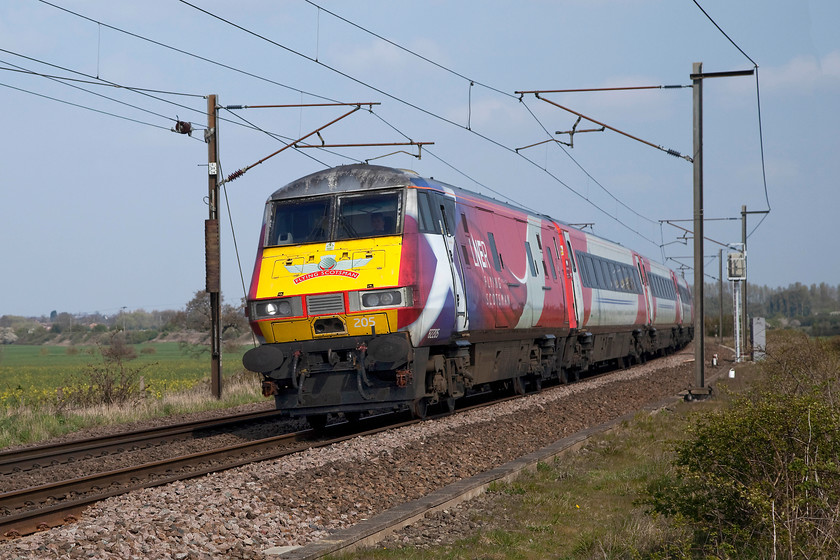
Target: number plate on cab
[(365, 324)]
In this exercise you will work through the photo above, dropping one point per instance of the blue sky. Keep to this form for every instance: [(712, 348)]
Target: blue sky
[(99, 212)]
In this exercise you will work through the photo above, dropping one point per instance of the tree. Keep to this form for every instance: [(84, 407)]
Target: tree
[(197, 316), (197, 312), (7, 335)]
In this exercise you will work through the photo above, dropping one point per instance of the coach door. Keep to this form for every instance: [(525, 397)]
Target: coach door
[(645, 288), (446, 207), (571, 263)]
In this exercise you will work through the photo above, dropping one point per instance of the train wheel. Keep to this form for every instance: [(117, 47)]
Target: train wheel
[(317, 421), (420, 408)]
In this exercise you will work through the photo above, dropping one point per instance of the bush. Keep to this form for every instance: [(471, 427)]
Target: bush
[(763, 477), (109, 383)]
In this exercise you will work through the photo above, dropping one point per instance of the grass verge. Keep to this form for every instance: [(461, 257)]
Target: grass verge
[(583, 505), (32, 378), (23, 424)]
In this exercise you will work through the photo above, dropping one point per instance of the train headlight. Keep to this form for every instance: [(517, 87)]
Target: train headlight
[(381, 298), (276, 308), (389, 298)]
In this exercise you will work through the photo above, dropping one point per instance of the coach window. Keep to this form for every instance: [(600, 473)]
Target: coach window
[(631, 279), (626, 282), (428, 223), (605, 274), (296, 222), (621, 282), (551, 264), (616, 280), (587, 270), (497, 258), (447, 211), (466, 256), (531, 262), (600, 282), (368, 215), (587, 274), (571, 256)]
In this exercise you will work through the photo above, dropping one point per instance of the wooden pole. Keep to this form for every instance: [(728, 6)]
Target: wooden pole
[(212, 244)]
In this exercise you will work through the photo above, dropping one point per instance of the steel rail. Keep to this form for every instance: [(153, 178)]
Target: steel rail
[(45, 455), (26, 518), (21, 521)]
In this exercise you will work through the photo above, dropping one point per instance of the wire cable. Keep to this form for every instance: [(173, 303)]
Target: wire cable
[(519, 203), (141, 92), (473, 82), (349, 77), (761, 139), (409, 51), (407, 103), (187, 53), (758, 105), (83, 106), (97, 82), (565, 151), (286, 139), (705, 13), (236, 248), (59, 80), (416, 107)]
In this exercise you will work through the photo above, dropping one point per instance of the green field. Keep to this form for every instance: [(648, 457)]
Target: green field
[(31, 375)]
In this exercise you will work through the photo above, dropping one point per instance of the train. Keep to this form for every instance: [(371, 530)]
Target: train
[(376, 289)]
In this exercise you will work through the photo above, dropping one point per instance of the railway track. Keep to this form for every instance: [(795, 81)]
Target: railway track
[(313, 494), (48, 455), (38, 508)]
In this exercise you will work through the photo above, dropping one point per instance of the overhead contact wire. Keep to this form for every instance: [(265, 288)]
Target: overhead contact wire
[(473, 82), (758, 104), (395, 98), (424, 111), (187, 53), (83, 106)]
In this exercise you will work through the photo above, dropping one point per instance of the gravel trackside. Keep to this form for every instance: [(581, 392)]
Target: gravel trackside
[(299, 499)]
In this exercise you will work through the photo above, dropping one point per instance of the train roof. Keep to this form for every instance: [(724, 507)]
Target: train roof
[(358, 177), (344, 178)]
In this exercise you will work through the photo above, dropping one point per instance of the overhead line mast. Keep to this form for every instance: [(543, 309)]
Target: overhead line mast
[(212, 248), (697, 76)]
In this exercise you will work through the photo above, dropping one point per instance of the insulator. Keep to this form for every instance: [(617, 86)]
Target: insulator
[(236, 175), (675, 153), (183, 127)]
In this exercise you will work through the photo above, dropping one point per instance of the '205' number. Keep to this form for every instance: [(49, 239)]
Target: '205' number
[(364, 322)]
